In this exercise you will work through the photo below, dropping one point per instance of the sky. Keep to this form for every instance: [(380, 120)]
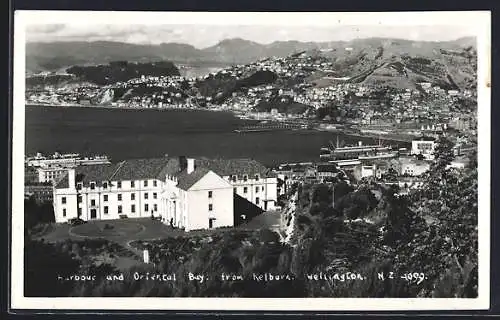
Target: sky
[(202, 36)]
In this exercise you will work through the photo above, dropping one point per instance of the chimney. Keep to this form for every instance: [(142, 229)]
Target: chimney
[(182, 163), (190, 165), (71, 178)]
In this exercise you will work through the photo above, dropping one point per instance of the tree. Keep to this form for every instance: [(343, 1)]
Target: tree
[(391, 175)]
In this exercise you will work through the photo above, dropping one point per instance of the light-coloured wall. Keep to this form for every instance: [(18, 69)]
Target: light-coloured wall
[(425, 148), (198, 213), (50, 175), (191, 209), (367, 171), (268, 190), (126, 190), (70, 206)]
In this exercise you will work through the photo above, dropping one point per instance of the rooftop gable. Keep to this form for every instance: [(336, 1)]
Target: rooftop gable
[(186, 180), (239, 167), (138, 169)]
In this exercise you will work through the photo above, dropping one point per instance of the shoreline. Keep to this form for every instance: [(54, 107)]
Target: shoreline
[(103, 106)]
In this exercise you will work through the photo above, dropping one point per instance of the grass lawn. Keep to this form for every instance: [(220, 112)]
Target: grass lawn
[(104, 229), (125, 231)]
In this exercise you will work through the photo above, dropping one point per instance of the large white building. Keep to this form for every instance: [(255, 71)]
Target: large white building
[(189, 193), (424, 147), (250, 179)]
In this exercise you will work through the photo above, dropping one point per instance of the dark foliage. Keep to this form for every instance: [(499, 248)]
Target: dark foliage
[(285, 105), (44, 268), (37, 213), (222, 86), (122, 71)]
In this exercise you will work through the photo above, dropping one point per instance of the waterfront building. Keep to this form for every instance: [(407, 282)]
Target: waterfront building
[(423, 146), (51, 173), (326, 171)]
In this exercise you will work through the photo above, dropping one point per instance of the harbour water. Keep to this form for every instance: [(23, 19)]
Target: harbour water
[(123, 134)]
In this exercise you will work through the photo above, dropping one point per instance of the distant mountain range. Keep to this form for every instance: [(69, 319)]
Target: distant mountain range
[(58, 55)]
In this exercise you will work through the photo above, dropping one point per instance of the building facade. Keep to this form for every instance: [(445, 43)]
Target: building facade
[(51, 173), (250, 179), (424, 147), (413, 167), (179, 191)]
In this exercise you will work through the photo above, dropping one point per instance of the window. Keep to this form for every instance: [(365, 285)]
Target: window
[(119, 197), (63, 200), (235, 190), (105, 198), (257, 200), (245, 189), (92, 202), (146, 207), (256, 177), (79, 186), (146, 195), (132, 196), (119, 209), (210, 207), (155, 195), (145, 183), (132, 184), (92, 185), (105, 209), (64, 212), (155, 207), (119, 184), (234, 178), (245, 178), (79, 212), (256, 189), (104, 185), (210, 194), (154, 183), (132, 208)]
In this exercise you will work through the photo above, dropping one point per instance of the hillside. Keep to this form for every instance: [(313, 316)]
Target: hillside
[(56, 55), (221, 86)]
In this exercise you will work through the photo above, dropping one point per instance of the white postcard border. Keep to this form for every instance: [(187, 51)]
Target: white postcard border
[(479, 20)]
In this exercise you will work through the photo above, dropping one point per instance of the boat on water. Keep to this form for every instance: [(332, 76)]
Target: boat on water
[(357, 152), (386, 155), (40, 160)]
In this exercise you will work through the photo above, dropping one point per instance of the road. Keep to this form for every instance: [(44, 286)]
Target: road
[(269, 220)]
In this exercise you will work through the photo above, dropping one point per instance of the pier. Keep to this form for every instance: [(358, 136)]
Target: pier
[(272, 127)]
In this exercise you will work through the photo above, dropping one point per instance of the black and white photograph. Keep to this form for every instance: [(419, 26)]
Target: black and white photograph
[(249, 158)]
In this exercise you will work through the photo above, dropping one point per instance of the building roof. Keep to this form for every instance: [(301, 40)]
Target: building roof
[(240, 167), (425, 138), (186, 181), (158, 168), (96, 173), (136, 169), (327, 167)]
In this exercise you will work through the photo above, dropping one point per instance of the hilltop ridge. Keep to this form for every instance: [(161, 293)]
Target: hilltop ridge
[(51, 56)]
